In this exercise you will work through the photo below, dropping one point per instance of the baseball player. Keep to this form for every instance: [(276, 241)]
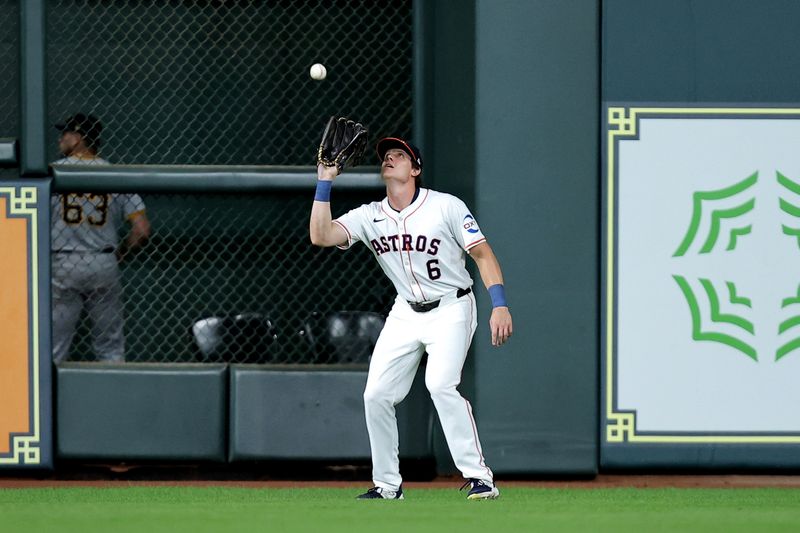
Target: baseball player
[(85, 249), (419, 237)]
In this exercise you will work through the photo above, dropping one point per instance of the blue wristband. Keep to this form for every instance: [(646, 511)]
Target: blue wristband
[(323, 193), (498, 294)]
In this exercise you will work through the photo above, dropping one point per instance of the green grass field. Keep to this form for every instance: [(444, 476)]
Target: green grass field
[(190, 509)]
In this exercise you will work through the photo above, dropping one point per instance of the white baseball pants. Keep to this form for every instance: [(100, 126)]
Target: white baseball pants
[(445, 333)]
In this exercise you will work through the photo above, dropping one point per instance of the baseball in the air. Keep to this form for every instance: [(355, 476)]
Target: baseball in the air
[(317, 71)]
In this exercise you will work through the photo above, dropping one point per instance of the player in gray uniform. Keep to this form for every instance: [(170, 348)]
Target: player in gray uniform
[(86, 249), (420, 238)]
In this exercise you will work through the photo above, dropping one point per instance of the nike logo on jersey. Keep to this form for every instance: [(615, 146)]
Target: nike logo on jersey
[(379, 219), (405, 243)]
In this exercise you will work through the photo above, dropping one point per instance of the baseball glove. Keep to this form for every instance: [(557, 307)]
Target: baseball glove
[(343, 143)]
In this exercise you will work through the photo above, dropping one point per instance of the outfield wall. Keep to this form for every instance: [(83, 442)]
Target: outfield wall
[(698, 364), (513, 108)]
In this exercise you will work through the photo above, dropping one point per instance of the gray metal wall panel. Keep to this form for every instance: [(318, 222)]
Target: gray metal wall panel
[(315, 415), (537, 196), (700, 51), (32, 89), (141, 411)]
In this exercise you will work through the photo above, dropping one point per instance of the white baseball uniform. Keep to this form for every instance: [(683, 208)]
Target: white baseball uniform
[(422, 251), (84, 237)]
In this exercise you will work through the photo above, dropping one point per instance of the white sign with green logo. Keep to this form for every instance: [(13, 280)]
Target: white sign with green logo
[(702, 275)]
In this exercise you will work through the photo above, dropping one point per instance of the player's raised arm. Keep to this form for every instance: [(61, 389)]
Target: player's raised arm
[(342, 145), (322, 230), (489, 268)]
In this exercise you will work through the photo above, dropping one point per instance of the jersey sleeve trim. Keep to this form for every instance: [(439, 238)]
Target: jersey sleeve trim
[(349, 237), (474, 244)]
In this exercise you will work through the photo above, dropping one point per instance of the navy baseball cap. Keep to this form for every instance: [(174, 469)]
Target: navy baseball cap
[(87, 125), (387, 143)]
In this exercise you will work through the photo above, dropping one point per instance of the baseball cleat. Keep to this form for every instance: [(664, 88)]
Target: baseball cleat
[(480, 489), (377, 493)]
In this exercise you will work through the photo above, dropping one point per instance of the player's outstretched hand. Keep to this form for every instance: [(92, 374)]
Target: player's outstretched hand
[(500, 324), (326, 173)]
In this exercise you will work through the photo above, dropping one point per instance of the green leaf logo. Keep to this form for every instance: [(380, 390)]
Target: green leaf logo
[(790, 323), (701, 332), (788, 207), (701, 201)]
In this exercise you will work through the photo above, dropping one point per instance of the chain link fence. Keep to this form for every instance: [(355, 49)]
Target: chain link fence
[(225, 82), (222, 278), (9, 80), (9, 66)]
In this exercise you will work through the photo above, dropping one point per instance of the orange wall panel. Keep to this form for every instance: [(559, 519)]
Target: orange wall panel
[(14, 328)]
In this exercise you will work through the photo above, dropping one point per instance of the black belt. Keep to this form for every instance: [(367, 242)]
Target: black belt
[(106, 250), (429, 306)]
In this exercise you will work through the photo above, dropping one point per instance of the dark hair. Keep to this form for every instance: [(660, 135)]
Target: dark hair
[(92, 143)]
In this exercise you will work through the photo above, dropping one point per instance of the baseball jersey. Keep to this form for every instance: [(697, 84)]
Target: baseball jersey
[(88, 222), (422, 248)]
